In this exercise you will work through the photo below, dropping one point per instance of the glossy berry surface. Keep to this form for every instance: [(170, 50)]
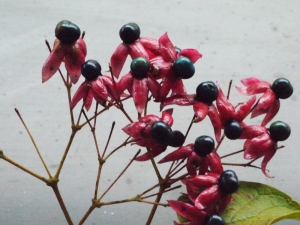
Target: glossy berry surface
[(91, 69), (204, 145), (129, 33), (161, 132), (183, 68), (140, 67), (214, 219), (177, 139), (233, 129), (228, 182), (282, 88), (207, 92), (67, 32), (279, 131)]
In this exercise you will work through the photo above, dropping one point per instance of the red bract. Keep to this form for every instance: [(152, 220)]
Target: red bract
[(228, 112), (261, 145), (209, 163), (102, 89), (138, 89), (201, 110), (73, 55), (143, 47), (188, 211), (164, 63), (140, 133), (267, 104)]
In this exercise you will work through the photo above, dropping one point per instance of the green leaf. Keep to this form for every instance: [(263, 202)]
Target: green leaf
[(256, 203)]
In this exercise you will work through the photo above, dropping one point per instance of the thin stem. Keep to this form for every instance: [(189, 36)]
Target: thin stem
[(153, 210), (190, 126), (62, 204), (123, 171), (74, 131), (120, 146), (165, 191), (86, 215), (219, 144), (243, 164), (229, 88), (68, 86), (181, 168), (33, 142), (154, 165), (7, 159), (155, 203), (233, 153), (97, 181), (109, 137)]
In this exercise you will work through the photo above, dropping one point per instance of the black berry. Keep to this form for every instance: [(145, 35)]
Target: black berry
[(183, 67), (140, 67), (279, 131), (282, 88), (214, 219), (67, 32), (129, 33), (233, 129), (91, 69), (207, 92), (204, 145), (161, 132), (177, 139), (228, 182)]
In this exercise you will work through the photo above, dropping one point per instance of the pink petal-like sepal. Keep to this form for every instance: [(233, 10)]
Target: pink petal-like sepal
[(140, 94), (136, 49), (195, 163), (53, 62), (118, 59), (154, 152), (216, 121), (188, 211), (167, 49), (201, 111), (74, 59), (167, 116), (253, 80), (178, 88), (266, 160), (180, 153), (271, 113), (208, 198), (225, 108), (214, 163), (252, 131), (81, 93), (183, 100), (151, 45), (192, 54), (245, 109), (253, 86)]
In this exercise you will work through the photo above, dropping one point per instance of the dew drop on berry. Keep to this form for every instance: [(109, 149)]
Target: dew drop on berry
[(140, 67), (228, 182), (282, 88), (204, 145), (91, 69), (233, 129), (183, 68), (161, 132), (214, 219), (207, 92), (129, 33), (67, 32), (177, 139), (279, 131)]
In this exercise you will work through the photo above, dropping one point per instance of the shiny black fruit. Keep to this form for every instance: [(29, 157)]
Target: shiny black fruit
[(177, 139), (282, 88), (204, 145), (183, 68), (207, 92), (140, 67), (91, 69), (161, 132), (228, 182), (233, 129), (214, 219), (67, 32), (129, 33), (279, 131)]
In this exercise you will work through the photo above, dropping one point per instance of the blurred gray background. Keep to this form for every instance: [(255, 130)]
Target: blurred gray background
[(238, 39)]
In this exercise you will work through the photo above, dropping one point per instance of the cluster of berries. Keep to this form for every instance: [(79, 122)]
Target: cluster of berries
[(159, 67)]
